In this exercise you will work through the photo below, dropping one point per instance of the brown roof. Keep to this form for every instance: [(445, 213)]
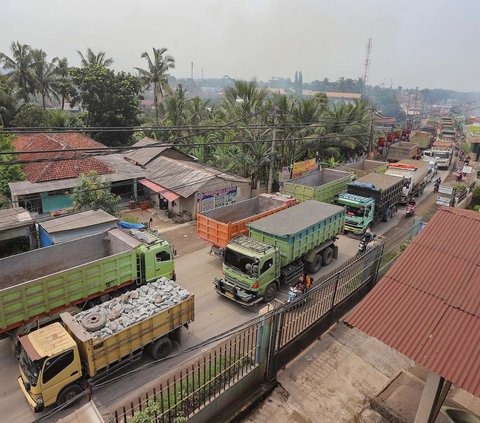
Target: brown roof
[(427, 306), (60, 169), (14, 218)]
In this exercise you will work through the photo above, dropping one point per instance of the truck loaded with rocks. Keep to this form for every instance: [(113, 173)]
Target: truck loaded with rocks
[(38, 285), (59, 361)]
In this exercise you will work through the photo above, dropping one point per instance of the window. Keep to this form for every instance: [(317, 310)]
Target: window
[(162, 256), (266, 265), (55, 365)]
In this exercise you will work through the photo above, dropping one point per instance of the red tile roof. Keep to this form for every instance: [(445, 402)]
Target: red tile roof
[(427, 306), (61, 169)]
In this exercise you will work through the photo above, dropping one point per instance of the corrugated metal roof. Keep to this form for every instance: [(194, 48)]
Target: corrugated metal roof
[(427, 306), (185, 177), (14, 218), (145, 155), (77, 221)]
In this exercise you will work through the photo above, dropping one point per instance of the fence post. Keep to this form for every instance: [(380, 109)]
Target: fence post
[(271, 370), (377, 265), (335, 290)]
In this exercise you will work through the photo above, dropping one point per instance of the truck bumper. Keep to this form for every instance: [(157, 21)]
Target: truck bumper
[(354, 229), (36, 407), (235, 293)]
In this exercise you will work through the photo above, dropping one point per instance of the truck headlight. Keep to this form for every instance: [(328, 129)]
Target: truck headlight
[(37, 398)]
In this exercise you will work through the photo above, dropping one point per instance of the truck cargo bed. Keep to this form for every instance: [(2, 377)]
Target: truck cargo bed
[(297, 230), (364, 167), (322, 185), (41, 281), (101, 353), (219, 226)]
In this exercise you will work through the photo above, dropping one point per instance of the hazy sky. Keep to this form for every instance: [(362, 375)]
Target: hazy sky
[(425, 43)]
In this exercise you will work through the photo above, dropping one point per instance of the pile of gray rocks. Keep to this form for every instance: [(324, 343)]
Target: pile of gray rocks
[(131, 307)]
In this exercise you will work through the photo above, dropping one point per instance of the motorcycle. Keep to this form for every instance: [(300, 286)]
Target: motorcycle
[(458, 175), (436, 186), (410, 209), (362, 247)]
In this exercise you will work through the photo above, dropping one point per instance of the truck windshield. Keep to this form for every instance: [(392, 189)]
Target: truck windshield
[(239, 261), (30, 368), (355, 211), (442, 155)]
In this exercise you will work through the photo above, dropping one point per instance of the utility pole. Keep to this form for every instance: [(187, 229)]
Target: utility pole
[(191, 70), (271, 171), (370, 138)]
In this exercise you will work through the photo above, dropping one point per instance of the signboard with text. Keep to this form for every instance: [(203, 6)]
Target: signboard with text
[(302, 168), (214, 199)]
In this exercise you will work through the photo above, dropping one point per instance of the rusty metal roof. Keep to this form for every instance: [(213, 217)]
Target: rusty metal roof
[(427, 306)]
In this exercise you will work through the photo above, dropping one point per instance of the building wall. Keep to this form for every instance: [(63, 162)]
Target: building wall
[(190, 204)]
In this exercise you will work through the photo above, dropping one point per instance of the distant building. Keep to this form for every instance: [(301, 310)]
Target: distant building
[(335, 97)]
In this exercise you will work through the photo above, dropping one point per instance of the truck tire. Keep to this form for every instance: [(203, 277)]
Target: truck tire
[(315, 265), (161, 348), (327, 256), (94, 321), (68, 393), (270, 292)]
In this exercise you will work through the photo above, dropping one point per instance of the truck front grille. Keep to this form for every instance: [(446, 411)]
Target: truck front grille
[(234, 281)]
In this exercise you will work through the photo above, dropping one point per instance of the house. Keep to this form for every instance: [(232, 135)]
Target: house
[(177, 182), (51, 178), (74, 226), (17, 231)]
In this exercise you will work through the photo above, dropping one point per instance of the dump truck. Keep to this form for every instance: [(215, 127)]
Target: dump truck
[(442, 153), (415, 173), (369, 200), (364, 167), (422, 138), (277, 249), (37, 285), (220, 225), (59, 361), (321, 185), (403, 150)]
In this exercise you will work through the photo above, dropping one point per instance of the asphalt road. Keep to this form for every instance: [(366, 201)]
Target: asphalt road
[(213, 315)]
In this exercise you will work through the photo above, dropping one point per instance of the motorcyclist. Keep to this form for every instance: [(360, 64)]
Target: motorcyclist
[(368, 236)]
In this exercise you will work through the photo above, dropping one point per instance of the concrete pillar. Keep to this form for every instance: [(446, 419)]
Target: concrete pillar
[(434, 393)]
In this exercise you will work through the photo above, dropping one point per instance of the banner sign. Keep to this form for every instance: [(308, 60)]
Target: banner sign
[(214, 199), (302, 168)]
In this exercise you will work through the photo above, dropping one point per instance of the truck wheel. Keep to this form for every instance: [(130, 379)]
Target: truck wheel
[(68, 393), (315, 265), (270, 292), (94, 321), (327, 256), (161, 348)]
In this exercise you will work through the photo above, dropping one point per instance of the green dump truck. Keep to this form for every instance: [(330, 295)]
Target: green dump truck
[(277, 249), (369, 200), (322, 185), (37, 285)]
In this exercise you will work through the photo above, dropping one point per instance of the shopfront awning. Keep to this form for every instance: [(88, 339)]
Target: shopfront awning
[(169, 195)]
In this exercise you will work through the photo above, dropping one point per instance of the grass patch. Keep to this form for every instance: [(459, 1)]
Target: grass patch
[(130, 219)]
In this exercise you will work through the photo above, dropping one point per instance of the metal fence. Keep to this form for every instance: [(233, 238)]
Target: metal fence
[(262, 346), (179, 395)]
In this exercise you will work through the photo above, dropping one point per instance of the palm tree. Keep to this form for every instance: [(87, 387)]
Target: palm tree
[(18, 68), (8, 104), (198, 111), (90, 58), (44, 74), (157, 73), (64, 82)]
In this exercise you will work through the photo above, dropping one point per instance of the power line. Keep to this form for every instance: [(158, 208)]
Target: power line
[(96, 152)]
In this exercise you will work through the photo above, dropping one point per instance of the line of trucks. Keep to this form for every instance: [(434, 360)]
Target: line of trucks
[(274, 249), (109, 280)]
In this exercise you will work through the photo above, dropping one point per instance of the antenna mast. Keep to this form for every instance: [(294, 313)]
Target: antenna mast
[(367, 62)]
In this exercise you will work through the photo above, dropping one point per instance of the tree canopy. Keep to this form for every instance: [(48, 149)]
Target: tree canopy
[(92, 193)]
